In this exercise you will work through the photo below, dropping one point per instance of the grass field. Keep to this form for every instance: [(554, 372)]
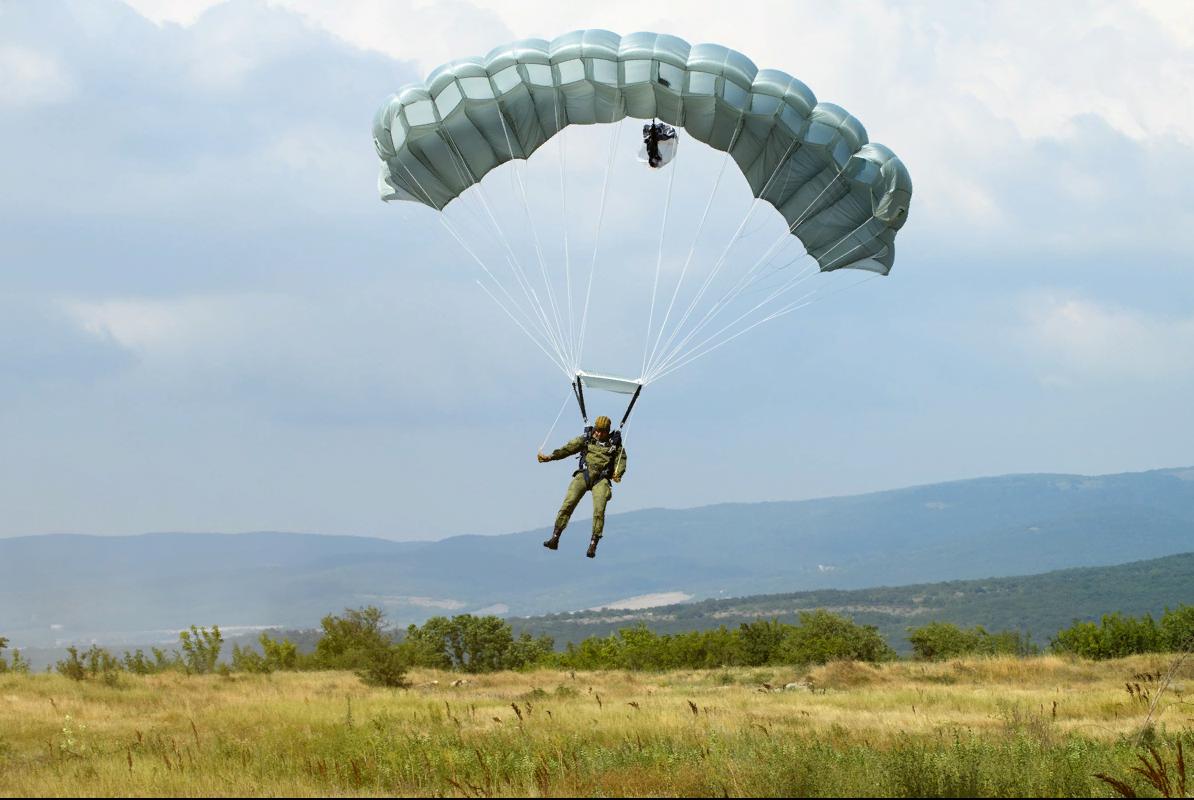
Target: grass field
[(988, 727)]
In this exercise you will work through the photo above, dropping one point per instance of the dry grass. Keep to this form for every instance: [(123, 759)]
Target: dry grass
[(978, 726)]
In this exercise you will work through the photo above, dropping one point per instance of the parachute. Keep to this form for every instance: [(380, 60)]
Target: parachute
[(842, 197)]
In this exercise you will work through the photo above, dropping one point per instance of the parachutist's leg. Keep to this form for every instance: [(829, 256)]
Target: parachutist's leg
[(576, 490), (601, 496)]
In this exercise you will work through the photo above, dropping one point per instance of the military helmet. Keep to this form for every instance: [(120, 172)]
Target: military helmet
[(602, 424)]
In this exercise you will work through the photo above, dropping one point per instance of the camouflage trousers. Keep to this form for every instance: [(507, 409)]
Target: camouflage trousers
[(576, 490)]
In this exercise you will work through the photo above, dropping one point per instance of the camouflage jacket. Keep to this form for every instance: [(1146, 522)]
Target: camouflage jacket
[(597, 456)]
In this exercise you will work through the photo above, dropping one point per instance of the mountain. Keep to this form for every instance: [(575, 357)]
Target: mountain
[(1039, 605), (58, 588)]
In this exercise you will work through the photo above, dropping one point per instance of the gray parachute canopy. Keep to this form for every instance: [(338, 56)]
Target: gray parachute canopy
[(842, 196)]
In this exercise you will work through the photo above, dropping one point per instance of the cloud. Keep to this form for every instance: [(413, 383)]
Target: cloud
[(209, 320), (1075, 340), (29, 78)]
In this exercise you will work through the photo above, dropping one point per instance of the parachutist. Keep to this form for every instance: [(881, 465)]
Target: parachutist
[(602, 459)]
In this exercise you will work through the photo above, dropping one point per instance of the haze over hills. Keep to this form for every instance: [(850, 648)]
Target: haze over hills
[(59, 588)]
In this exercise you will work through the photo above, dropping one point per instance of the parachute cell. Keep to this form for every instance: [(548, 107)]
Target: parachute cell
[(842, 196)]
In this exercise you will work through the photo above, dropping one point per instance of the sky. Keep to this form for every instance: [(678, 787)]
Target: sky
[(209, 321)]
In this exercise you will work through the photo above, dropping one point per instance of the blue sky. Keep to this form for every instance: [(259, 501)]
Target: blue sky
[(208, 321)]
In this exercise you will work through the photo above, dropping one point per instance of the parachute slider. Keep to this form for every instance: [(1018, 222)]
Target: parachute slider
[(607, 383)]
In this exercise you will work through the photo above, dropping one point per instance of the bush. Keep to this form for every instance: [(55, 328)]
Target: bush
[(473, 644), (822, 637), (96, 662), (1114, 637), (201, 649), (281, 655), (1177, 629), (19, 664), (248, 660), (938, 641), (139, 664), (72, 666), (349, 641), (386, 666)]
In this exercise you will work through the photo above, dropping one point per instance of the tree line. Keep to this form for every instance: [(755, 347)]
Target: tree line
[(359, 640)]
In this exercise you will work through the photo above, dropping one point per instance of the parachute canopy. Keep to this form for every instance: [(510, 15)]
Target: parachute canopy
[(842, 196)]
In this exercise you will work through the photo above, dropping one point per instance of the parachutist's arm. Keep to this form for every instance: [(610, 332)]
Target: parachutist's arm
[(570, 448), (620, 467)]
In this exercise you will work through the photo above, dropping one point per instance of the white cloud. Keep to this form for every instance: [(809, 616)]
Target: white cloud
[(1073, 340), (179, 12), (29, 77)]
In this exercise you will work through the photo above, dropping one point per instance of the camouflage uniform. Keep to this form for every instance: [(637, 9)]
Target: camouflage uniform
[(598, 458)]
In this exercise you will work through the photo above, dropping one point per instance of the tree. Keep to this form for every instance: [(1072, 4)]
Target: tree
[(248, 660), (281, 655), (941, 640), (759, 641), (1177, 629), (386, 666), (473, 644), (201, 649), (822, 636), (72, 666), (20, 664), (349, 641), (1115, 636)]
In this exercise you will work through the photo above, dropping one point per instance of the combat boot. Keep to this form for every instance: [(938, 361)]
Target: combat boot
[(592, 552), (554, 542)]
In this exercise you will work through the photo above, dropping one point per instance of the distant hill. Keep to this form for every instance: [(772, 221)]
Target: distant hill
[(1036, 604), (62, 588)]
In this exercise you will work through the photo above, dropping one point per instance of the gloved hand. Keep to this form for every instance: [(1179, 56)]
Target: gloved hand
[(543, 459), (617, 479)]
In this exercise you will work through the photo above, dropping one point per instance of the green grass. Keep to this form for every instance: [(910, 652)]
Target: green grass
[(969, 727)]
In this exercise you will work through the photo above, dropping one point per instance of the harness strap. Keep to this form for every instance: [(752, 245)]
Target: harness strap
[(629, 408), (579, 390)]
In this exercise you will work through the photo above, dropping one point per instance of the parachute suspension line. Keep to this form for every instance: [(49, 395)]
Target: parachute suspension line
[(552, 429), (795, 305), (791, 283), (516, 265), (550, 289), (446, 223), (554, 360), (721, 259), (522, 191), (742, 282), (560, 150), (614, 135), (658, 267), (538, 251), (696, 236)]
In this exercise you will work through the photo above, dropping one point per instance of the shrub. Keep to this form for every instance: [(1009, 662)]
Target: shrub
[(938, 641), (96, 662), (349, 641), (386, 666), (473, 644), (822, 637), (248, 660), (1177, 629), (72, 666), (1114, 637), (201, 649), (281, 655)]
